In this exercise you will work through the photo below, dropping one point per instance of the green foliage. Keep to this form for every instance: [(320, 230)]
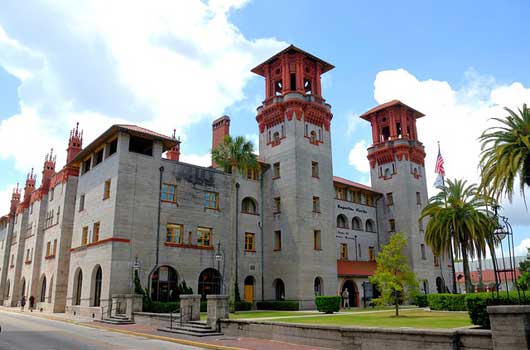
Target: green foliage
[(506, 154), (183, 288), (328, 304), (235, 153), (447, 302), (524, 265), (204, 306), (243, 306), (161, 307), (237, 296), (137, 285), (420, 300), (524, 281), (477, 304), (281, 305), (393, 276)]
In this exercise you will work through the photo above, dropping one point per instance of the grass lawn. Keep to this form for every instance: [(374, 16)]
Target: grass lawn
[(410, 318)]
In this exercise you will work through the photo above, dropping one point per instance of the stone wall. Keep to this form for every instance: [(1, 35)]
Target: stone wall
[(362, 338)]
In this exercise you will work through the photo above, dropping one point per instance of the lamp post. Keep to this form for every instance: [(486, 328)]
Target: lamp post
[(136, 271), (219, 258)]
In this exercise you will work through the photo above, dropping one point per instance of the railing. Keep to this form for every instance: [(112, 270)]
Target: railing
[(181, 315), (109, 309)]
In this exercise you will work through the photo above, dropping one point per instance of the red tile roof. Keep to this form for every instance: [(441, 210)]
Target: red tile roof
[(356, 268), (366, 115), (352, 183), (488, 276)]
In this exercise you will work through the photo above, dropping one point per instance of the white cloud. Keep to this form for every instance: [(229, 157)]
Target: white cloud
[(197, 159), (6, 193), (357, 157), (522, 248), (353, 122), (161, 64)]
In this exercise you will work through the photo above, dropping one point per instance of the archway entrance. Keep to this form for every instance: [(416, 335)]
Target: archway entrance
[(279, 289), (98, 280), (164, 284), (353, 294), (439, 285), (23, 288), (209, 282), (43, 290), (249, 289), (78, 287)]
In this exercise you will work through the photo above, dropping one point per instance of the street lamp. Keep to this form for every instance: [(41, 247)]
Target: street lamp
[(219, 258)]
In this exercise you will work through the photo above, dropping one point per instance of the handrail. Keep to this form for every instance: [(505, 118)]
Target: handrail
[(181, 315), (109, 308)]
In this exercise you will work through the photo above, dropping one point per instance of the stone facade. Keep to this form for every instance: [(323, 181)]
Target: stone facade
[(125, 205)]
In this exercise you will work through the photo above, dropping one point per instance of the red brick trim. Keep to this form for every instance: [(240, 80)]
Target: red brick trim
[(27, 262), (29, 236), (103, 241), (11, 266), (190, 246), (48, 257), (170, 202)]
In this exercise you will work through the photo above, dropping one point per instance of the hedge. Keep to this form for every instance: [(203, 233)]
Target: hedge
[(447, 302), (282, 305), (328, 304), (243, 306), (161, 307), (477, 304), (420, 300)]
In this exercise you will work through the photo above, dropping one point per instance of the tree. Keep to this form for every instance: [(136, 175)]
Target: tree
[(458, 221), (393, 276), (506, 154), (235, 153)]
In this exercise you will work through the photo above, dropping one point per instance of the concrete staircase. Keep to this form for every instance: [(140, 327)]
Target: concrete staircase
[(192, 328), (116, 319)]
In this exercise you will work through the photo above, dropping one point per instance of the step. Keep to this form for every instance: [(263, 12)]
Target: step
[(193, 329), (191, 333), (115, 321), (192, 325)]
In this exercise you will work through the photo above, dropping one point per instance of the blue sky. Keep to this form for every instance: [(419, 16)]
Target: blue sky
[(167, 64)]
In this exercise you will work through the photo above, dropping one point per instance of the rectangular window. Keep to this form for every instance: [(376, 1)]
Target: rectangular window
[(48, 249), (204, 237), (356, 197), (316, 239), (52, 193), (369, 200), (250, 242), (174, 233), (29, 229), (106, 190), (31, 208), (169, 193), (276, 170), (112, 147), (423, 255), (86, 166), (58, 215), (211, 200), (98, 157), (420, 225), (84, 236), (82, 202), (314, 169), (392, 224), (252, 174), (277, 205), (95, 232), (344, 251), (371, 253), (54, 247), (277, 240), (340, 192), (27, 253), (316, 204), (389, 199), (140, 145), (418, 198)]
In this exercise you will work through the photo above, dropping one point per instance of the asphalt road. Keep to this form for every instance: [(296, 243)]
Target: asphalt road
[(20, 332)]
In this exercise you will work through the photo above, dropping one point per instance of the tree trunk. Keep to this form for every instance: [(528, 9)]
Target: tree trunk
[(467, 274), (397, 305), (480, 279)]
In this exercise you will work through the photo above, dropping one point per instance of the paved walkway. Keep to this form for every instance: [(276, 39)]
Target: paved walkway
[(151, 332)]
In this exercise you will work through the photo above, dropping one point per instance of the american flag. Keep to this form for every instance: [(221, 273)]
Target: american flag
[(439, 168)]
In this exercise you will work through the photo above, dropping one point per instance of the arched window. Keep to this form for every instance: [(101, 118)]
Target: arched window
[(276, 138), (78, 285), (209, 283), (318, 286), (8, 285), (23, 288), (248, 205), (279, 289), (342, 221), (370, 227), (43, 290), (164, 284), (98, 280), (357, 224), (313, 136)]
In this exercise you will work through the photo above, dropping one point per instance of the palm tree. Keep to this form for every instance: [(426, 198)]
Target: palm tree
[(458, 221), (235, 153), (506, 154)]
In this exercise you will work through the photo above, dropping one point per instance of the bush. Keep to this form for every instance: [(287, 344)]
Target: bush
[(161, 307), (328, 304), (420, 300), (204, 306), (281, 305), (243, 306), (447, 302), (477, 304)]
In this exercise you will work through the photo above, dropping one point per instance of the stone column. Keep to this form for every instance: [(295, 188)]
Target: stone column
[(190, 307), (218, 309), (510, 326)]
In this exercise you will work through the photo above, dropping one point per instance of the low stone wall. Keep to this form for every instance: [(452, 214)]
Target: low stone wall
[(361, 338), (84, 311), (154, 319)]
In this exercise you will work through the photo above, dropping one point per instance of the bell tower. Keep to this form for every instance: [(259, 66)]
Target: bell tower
[(294, 139), (29, 187), (75, 143), (48, 170), (15, 200), (397, 170)]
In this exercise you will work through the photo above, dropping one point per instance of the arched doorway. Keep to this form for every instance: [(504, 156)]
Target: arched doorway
[(353, 294), (249, 289), (23, 288), (279, 289), (164, 284), (8, 285), (317, 286), (209, 282), (439, 285), (98, 280), (78, 285), (43, 290)]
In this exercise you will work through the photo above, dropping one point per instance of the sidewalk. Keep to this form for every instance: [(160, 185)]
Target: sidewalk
[(220, 342)]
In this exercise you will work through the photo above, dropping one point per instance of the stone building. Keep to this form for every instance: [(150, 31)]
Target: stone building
[(126, 204)]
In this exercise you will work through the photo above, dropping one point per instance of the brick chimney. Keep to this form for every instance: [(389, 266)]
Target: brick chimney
[(75, 143), (220, 129), (174, 153), (48, 170), (15, 199)]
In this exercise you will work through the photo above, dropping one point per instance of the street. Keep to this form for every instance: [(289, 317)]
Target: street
[(23, 332)]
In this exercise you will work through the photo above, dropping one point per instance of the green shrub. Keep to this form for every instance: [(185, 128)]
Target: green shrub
[(447, 302), (243, 306), (477, 304), (281, 305), (161, 307), (420, 300), (204, 306), (328, 304)]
